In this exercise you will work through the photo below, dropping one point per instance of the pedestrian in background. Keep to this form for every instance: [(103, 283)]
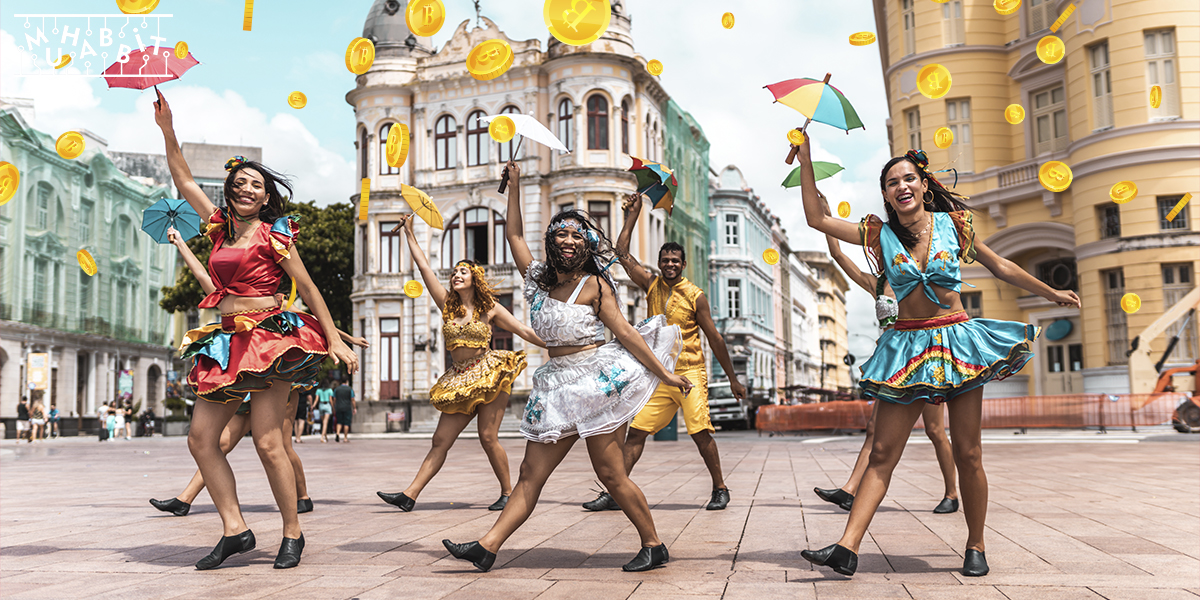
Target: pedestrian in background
[(37, 421), (325, 408), (22, 418), (344, 408), (54, 419)]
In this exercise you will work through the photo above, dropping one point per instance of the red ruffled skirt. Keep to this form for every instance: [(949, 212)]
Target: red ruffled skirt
[(249, 352)]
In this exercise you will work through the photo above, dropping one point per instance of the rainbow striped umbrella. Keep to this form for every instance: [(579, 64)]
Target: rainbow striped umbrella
[(656, 182), (818, 101)]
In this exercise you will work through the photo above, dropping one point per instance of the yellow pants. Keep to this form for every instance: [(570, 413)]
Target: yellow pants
[(668, 399)]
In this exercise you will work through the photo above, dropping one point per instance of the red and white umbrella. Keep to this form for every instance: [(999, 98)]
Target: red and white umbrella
[(147, 68)]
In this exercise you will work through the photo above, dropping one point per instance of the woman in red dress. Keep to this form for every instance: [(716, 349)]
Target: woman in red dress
[(257, 348)]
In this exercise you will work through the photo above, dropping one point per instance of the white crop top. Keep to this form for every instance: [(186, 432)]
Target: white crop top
[(560, 323)]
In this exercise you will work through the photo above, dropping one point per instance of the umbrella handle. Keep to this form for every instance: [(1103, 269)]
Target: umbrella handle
[(504, 177), (792, 155)]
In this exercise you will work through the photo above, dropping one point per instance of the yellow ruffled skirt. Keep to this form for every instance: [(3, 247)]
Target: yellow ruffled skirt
[(477, 380)]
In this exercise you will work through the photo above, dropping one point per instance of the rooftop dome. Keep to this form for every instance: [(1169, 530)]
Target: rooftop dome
[(385, 27)]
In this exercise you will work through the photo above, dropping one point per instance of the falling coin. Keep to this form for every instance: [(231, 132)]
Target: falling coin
[(577, 22), (425, 17), (1055, 176), (1131, 303), (137, 7), (795, 137), (1179, 206), (1014, 114), (862, 38), (69, 145), (1006, 7), (360, 55), (727, 20), (413, 288), (502, 129), (844, 209), (1155, 96), (364, 199), (10, 178), (86, 262), (1123, 192), (934, 81), (397, 145), (297, 100), (943, 137), (248, 16), (654, 67), (490, 59), (181, 50), (63, 61), (1050, 49), (1062, 19), (771, 255)]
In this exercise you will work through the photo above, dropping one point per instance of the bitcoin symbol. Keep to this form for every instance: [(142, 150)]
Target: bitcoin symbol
[(490, 59), (934, 81), (1050, 49), (1131, 303), (577, 22), (10, 178), (69, 145), (360, 55), (297, 100), (727, 20), (1006, 7), (502, 129), (428, 14), (574, 25), (181, 50), (1014, 114), (654, 67), (1055, 176), (425, 17), (862, 38), (943, 138), (1123, 192)]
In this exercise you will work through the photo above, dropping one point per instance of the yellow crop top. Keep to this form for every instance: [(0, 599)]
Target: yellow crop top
[(475, 334)]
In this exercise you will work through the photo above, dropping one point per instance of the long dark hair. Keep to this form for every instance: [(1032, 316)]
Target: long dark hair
[(943, 199), (276, 205), (599, 248)]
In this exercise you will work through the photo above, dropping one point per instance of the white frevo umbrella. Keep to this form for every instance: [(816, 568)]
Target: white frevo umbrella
[(529, 127)]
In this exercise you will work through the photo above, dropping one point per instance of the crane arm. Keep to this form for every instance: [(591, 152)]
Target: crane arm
[(1142, 375)]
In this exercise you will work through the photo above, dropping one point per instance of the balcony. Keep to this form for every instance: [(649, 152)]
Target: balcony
[(1017, 175), (498, 275)]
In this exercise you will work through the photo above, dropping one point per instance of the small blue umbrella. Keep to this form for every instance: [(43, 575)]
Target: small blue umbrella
[(167, 213)]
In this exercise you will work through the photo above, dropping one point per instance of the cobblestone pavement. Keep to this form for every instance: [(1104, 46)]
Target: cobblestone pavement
[(1072, 515)]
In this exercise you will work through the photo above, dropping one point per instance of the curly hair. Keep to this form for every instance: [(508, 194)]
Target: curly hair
[(485, 296), (943, 200), (599, 248)]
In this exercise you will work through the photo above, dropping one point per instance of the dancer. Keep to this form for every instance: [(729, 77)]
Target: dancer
[(935, 353), (588, 389), (479, 381), (935, 426), (257, 347), (684, 304)]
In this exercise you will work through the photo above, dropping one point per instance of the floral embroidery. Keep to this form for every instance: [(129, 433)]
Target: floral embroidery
[(939, 374), (534, 410), (610, 382), (899, 259), (937, 338)]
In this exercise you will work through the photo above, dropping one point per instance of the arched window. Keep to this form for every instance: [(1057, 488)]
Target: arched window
[(506, 149), (445, 143), (362, 149), (597, 122), (625, 126), (121, 236), (384, 167), (657, 154), (565, 117), (477, 140), (476, 234), (41, 205)]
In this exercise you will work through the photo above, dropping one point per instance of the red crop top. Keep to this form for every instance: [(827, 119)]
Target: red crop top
[(253, 271)]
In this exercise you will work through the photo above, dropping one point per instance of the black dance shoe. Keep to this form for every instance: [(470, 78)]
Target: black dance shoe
[(602, 502), (399, 500), (840, 497), (499, 504), (174, 505), (289, 552), (946, 506), (304, 505), (837, 557), (648, 558), (975, 564), (479, 556), (228, 546), (720, 499)]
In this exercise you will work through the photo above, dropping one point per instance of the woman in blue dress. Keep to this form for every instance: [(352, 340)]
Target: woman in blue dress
[(935, 353)]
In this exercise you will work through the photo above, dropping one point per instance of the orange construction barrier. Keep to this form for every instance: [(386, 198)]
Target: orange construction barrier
[(1078, 411)]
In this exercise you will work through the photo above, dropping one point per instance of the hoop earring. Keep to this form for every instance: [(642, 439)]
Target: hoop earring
[(928, 197)]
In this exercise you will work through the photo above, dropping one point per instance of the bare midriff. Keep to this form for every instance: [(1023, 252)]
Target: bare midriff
[(568, 350), (241, 304), (917, 306)]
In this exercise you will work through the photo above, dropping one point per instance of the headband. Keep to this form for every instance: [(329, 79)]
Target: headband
[(922, 160), (235, 162), (589, 234)]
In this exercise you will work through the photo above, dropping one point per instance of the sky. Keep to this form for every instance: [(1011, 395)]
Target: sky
[(238, 94)]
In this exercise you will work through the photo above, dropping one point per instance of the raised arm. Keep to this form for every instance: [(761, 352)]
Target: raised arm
[(705, 321), (436, 290), (514, 222), (630, 339), (193, 263), (639, 275), (505, 320), (180, 172), (1008, 272), (839, 228)]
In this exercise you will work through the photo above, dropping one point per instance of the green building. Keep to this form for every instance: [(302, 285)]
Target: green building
[(686, 153)]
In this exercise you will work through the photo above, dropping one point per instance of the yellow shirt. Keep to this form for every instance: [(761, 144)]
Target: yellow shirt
[(679, 306)]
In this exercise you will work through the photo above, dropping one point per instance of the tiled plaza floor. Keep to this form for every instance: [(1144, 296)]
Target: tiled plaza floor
[(1072, 515)]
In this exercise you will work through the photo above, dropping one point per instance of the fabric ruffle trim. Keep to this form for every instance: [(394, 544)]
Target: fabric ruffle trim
[(964, 226), (213, 342), (477, 376), (869, 232)]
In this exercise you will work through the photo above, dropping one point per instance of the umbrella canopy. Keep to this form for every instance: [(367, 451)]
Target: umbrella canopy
[(818, 101), (656, 182), (147, 68), (529, 127), (422, 206), (822, 170), (170, 212)]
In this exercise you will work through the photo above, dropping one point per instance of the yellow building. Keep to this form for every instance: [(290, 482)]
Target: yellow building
[(831, 321), (1092, 111)]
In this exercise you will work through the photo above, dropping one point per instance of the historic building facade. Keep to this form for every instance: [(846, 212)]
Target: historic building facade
[(1091, 111), (832, 332), (687, 153)]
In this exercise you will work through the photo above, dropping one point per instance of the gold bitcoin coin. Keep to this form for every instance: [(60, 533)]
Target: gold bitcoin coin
[(66, 60), (654, 67), (795, 137), (297, 100), (69, 145), (413, 288), (727, 20), (1123, 192), (1055, 176), (1062, 18), (489, 60), (1014, 114), (844, 209), (862, 38), (1006, 7), (86, 262), (502, 129), (360, 55), (577, 22), (943, 137), (10, 178), (181, 50), (248, 16), (771, 255), (1051, 49), (1131, 303), (397, 145), (1155, 97), (137, 7), (933, 81), (364, 199), (425, 17), (1179, 206)]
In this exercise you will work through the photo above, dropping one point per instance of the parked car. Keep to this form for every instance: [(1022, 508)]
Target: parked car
[(730, 413)]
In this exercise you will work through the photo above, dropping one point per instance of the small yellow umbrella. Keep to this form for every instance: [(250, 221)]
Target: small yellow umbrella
[(422, 205)]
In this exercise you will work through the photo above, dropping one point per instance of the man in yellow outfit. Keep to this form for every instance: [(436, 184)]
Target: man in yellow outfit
[(685, 305)]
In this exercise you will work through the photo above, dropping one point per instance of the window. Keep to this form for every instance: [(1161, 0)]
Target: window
[(41, 273), (85, 296), (1165, 205), (1160, 71), (597, 122), (1108, 217), (363, 247), (1040, 15), (565, 116), (731, 231), (953, 30), (362, 151), (1054, 359), (910, 26), (389, 359), (733, 291), (1101, 87), (506, 149), (1058, 273), (1050, 120), (1118, 333), (466, 236), (599, 210), (476, 229), (625, 126), (958, 120), (501, 251), (912, 118), (566, 206), (384, 167), (1075, 357), (41, 215), (973, 303), (389, 248), (85, 223), (445, 143), (502, 339), (657, 143), (121, 239), (477, 140), (1177, 282)]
